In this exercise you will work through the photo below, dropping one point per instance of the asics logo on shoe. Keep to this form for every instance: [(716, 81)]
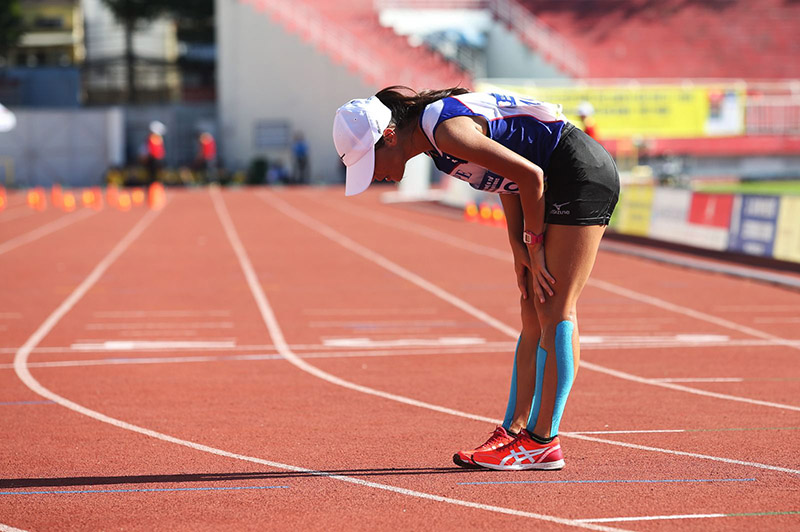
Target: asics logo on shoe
[(519, 456)]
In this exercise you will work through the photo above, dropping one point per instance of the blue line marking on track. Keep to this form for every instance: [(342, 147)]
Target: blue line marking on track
[(7, 403), (621, 481), (68, 492)]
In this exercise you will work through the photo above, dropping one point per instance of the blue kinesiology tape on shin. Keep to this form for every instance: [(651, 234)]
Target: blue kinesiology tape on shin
[(512, 395), (536, 405), (566, 371)]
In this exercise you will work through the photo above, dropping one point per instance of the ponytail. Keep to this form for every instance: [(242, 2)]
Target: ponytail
[(407, 104)]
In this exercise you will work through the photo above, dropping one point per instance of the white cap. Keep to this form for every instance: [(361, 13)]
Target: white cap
[(7, 119), (358, 125), (585, 109), (158, 128)]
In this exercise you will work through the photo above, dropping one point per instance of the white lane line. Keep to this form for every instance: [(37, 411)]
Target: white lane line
[(684, 453), (6, 528), (650, 518), (678, 387), (361, 311), (283, 348), (703, 379), (95, 345), (45, 230), (157, 326), (161, 313), (411, 277), (23, 372), (256, 357), (652, 431), (149, 345), (403, 342)]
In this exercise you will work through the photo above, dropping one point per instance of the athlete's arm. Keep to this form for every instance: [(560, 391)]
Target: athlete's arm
[(465, 138), (516, 224)]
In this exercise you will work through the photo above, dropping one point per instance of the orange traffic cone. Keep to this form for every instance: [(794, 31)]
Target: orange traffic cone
[(92, 198), (137, 196), (124, 201), (156, 197), (3, 199), (498, 216), (36, 199), (68, 202), (485, 214), (471, 212)]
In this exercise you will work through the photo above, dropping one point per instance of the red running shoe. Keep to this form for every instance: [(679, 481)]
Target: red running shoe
[(522, 453), (498, 438)]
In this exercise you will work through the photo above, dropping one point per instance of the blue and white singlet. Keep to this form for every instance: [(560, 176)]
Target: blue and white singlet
[(525, 126)]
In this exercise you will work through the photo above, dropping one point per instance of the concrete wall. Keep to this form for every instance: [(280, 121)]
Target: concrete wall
[(267, 74), (70, 147)]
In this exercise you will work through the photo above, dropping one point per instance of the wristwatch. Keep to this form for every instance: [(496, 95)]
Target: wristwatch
[(529, 237)]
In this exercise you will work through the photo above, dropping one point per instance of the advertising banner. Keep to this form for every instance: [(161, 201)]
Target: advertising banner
[(787, 237), (670, 214), (635, 205), (709, 220), (658, 111), (753, 225)]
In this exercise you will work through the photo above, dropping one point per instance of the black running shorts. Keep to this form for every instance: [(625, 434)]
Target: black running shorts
[(581, 181)]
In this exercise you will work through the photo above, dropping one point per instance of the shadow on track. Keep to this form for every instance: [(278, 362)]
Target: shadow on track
[(224, 477)]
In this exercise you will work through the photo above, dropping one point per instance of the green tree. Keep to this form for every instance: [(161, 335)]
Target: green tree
[(131, 13), (11, 28)]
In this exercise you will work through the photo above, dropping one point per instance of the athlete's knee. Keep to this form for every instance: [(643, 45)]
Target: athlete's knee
[(550, 316)]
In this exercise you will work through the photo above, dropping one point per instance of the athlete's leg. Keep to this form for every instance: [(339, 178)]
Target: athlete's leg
[(570, 253), (523, 375)]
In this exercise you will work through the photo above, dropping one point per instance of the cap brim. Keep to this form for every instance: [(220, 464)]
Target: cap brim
[(359, 175)]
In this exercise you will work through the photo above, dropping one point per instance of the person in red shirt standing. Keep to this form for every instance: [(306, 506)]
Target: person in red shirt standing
[(156, 152), (206, 154), (586, 114)]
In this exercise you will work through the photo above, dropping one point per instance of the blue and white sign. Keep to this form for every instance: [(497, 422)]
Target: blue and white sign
[(753, 225)]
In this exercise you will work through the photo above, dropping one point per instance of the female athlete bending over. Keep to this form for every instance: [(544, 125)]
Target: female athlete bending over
[(558, 188)]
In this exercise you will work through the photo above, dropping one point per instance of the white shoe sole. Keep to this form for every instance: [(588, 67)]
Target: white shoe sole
[(546, 466)]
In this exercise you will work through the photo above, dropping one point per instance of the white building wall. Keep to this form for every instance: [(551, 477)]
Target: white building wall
[(105, 37), (265, 73)]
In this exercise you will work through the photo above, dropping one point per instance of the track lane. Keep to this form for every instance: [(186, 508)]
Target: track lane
[(196, 382)]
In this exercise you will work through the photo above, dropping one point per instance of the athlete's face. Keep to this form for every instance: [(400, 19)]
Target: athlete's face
[(390, 162)]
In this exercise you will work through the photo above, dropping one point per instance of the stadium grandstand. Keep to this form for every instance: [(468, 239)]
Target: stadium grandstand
[(713, 82), (682, 92)]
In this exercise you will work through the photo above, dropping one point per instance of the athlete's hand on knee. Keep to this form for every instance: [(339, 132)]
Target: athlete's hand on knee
[(522, 267), (542, 280)]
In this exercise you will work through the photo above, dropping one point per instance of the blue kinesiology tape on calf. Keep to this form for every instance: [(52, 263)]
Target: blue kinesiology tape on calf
[(566, 370), (512, 395), (541, 357)]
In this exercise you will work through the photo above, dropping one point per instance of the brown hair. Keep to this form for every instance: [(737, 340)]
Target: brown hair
[(407, 104)]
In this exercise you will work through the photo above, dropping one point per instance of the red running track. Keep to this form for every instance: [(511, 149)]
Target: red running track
[(275, 359)]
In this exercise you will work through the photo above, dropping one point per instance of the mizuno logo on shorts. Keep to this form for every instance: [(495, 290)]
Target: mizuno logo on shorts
[(557, 208)]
